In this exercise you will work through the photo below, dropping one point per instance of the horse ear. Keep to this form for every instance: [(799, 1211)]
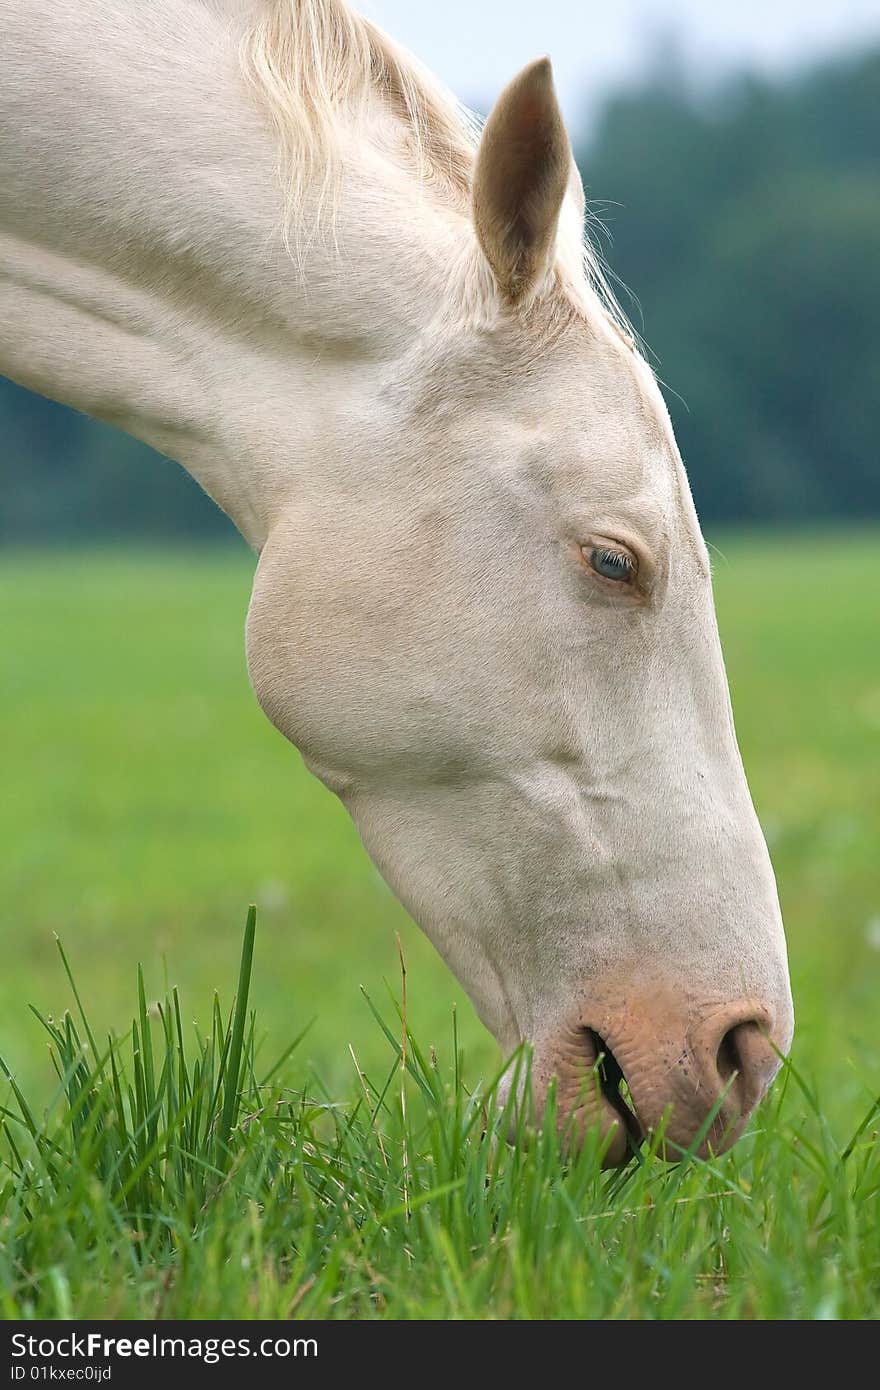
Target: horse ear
[(522, 172)]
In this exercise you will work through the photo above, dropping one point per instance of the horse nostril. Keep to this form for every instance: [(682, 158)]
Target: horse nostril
[(659, 1069), (728, 1061), (745, 1062)]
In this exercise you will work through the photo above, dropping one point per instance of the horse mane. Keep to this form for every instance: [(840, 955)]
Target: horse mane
[(317, 68)]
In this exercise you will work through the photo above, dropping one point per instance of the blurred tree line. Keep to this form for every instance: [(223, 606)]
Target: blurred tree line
[(748, 225), (747, 222)]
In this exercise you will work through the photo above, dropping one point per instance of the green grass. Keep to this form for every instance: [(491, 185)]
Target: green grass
[(177, 1183), (146, 799)]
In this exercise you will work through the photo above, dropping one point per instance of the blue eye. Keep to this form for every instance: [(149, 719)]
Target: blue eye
[(612, 564)]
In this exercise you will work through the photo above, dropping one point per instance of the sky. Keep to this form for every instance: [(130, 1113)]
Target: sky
[(477, 45)]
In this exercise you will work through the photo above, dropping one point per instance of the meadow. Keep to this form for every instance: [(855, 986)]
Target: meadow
[(147, 802)]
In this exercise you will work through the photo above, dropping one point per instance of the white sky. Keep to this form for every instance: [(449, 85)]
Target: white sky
[(477, 45)]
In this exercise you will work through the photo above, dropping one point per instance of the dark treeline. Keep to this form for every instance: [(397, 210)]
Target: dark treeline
[(747, 223), (749, 228)]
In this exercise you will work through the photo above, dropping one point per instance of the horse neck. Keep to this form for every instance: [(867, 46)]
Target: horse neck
[(145, 280)]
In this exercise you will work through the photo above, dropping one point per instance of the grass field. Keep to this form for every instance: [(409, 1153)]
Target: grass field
[(147, 801)]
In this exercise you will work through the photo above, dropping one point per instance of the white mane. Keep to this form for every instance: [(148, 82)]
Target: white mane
[(317, 69)]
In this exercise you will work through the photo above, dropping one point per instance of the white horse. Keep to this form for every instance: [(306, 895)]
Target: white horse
[(482, 608)]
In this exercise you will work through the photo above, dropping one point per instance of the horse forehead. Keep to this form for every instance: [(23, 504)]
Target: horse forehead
[(610, 453), (591, 387), (599, 417), (581, 417), (616, 388)]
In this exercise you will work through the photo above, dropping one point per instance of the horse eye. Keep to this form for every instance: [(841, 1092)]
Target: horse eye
[(611, 564)]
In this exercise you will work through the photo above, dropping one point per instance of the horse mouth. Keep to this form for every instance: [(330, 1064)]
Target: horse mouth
[(613, 1088)]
